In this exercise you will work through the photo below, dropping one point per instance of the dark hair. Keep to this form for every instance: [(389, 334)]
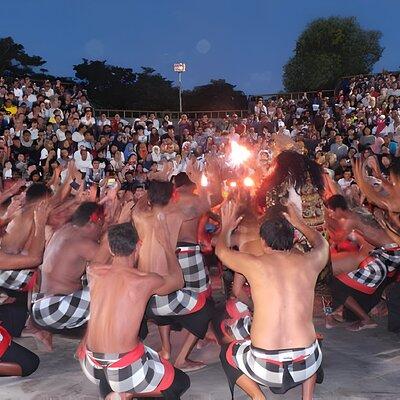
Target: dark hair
[(337, 201), (37, 190), (182, 179), (292, 167), (85, 212), (122, 239), (160, 192), (276, 231)]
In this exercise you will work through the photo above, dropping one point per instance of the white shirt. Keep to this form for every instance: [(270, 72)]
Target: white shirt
[(44, 153), (60, 135), (32, 98), (344, 184), (80, 164), (102, 123), (77, 137), (87, 122), (34, 133), (18, 93)]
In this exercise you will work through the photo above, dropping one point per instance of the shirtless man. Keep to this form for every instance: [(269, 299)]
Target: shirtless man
[(16, 360), (188, 307), (111, 353), (360, 275), (64, 300), (282, 282)]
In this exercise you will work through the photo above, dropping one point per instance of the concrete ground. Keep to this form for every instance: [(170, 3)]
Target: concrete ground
[(358, 366)]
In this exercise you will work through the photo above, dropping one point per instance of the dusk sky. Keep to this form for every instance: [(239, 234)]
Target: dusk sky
[(244, 42)]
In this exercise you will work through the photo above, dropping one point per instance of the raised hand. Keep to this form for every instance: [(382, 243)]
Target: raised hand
[(41, 213), (293, 216), (193, 171), (229, 216)]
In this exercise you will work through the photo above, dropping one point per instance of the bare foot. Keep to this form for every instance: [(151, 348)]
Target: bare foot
[(331, 322), (380, 310), (205, 342), (362, 325), (42, 337), (164, 354), (190, 365)]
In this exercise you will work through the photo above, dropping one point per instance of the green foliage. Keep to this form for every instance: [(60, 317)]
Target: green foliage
[(328, 49), (217, 95), (14, 61)]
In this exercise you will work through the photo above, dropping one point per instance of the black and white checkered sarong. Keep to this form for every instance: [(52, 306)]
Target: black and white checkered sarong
[(141, 374), (381, 262), (271, 368), (184, 301), (15, 279), (61, 311)]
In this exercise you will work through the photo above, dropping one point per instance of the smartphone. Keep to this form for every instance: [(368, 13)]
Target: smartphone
[(111, 182), (75, 185)]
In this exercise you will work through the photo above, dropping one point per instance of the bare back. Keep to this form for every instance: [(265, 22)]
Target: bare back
[(18, 232), (282, 286), (118, 299), (65, 260)]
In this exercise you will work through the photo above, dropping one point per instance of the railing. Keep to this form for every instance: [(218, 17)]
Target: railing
[(292, 95), (174, 115)]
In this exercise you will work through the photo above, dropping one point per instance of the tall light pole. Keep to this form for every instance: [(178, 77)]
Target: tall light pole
[(179, 68)]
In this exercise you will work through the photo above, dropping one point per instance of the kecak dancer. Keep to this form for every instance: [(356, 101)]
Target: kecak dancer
[(111, 353), (18, 238), (282, 351), (297, 178), (360, 279), (189, 307), (63, 301), (16, 360)]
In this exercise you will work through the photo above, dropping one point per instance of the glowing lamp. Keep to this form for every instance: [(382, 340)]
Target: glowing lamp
[(239, 154), (248, 182), (204, 181)]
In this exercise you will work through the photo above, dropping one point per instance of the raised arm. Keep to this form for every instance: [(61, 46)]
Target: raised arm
[(237, 261), (319, 253)]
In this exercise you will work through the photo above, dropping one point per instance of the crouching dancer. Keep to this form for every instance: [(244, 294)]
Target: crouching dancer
[(111, 353), (282, 351)]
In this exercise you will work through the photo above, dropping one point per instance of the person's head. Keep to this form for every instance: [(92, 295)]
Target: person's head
[(337, 206), (182, 179), (37, 191), (275, 231), (96, 163), (338, 139), (122, 239), (347, 174), (160, 193), (89, 218)]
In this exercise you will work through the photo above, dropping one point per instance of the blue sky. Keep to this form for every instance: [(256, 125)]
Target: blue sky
[(244, 42)]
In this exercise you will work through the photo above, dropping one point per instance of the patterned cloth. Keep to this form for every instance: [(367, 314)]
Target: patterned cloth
[(275, 368), (139, 371), (16, 279), (381, 263), (238, 326), (61, 311), (193, 296), (5, 340)]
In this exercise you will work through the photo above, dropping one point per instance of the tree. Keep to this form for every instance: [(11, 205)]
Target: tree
[(107, 85), (217, 95), (14, 61), (328, 49), (152, 91)]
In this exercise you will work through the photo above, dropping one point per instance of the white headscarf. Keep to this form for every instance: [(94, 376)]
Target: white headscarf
[(156, 154)]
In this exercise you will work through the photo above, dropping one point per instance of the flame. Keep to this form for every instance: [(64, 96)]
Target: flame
[(248, 182), (204, 180), (233, 184), (239, 154)]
